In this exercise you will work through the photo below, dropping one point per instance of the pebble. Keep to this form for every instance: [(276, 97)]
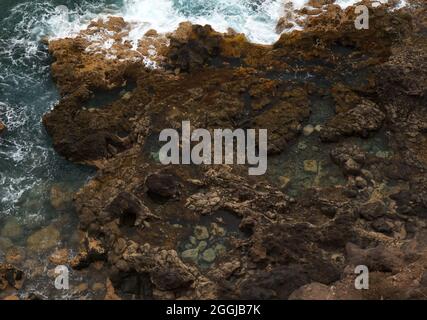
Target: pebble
[(190, 254), (209, 255), (284, 181), (308, 130), (5, 244), (201, 233), (127, 96), (220, 249), (15, 255), (310, 166), (193, 240), (302, 145), (202, 246), (216, 230), (59, 198)]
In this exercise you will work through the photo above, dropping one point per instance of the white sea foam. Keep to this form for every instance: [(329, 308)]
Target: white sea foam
[(256, 19)]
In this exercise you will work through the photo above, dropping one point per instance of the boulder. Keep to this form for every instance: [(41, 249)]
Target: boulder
[(43, 239)]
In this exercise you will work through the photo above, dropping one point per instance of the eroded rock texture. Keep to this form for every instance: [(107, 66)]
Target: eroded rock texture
[(215, 232)]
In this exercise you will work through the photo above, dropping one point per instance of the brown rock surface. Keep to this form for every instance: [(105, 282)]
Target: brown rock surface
[(280, 246)]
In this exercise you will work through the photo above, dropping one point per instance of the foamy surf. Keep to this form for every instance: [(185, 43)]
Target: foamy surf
[(256, 19)]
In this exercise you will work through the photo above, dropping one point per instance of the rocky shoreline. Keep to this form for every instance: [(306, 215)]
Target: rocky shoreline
[(213, 232)]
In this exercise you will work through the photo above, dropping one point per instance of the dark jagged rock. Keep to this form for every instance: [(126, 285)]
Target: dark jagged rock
[(10, 278), (360, 120)]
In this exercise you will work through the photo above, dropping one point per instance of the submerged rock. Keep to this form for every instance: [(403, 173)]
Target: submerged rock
[(308, 130), (59, 198), (201, 233), (43, 239), (191, 254), (11, 229), (209, 255)]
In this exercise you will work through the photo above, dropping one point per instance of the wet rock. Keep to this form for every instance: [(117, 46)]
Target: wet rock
[(189, 54), (15, 255), (43, 239), (59, 257), (360, 182), (308, 130), (302, 145), (284, 181), (202, 246), (163, 185), (80, 261), (5, 244), (283, 24), (95, 249), (130, 211), (59, 198), (193, 240), (111, 293), (190, 254), (170, 273), (151, 33), (359, 121), (220, 249), (11, 229), (223, 81), (127, 96), (10, 277), (209, 255), (217, 230), (81, 288)]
